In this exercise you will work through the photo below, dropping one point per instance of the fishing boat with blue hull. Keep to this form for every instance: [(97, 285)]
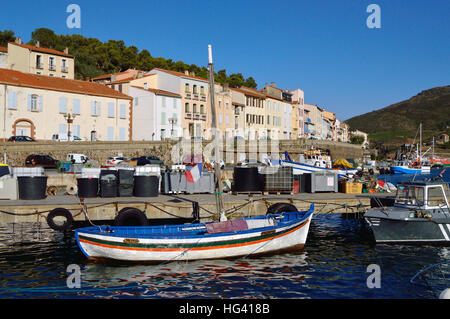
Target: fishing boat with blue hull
[(310, 164), (420, 214), (272, 233)]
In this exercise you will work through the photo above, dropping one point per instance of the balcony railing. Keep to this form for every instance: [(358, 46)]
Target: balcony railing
[(64, 69), (203, 117), (188, 115), (203, 97), (196, 96), (52, 67), (187, 95), (39, 65)]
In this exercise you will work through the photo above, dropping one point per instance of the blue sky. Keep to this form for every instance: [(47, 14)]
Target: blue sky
[(323, 47)]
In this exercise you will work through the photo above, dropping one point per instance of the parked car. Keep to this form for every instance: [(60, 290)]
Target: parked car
[(250, 162), (115, 160), (77, 158), (45, 161), (64, 138), (21, 139), (144, 160)]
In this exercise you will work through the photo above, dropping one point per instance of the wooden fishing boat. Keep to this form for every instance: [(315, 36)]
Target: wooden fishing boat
[(259, 235)]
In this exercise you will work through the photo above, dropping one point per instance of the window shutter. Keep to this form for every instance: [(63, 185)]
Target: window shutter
[(76, 130), (122, 111), (76, 106), (110, 133), (122, 134), (62, 105), (99, 108), (110, 109), (12, 100), (41, 103), (29, 102), (62, 129), (93, 112)]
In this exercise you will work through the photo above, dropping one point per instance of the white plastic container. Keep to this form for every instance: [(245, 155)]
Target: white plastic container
[(9, 188), (90, 172), (148, 170), (27, 171)]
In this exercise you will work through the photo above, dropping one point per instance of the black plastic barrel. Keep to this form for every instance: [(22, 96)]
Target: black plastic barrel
[(146, 186), (32, 187), (87, 187), (246, 179)]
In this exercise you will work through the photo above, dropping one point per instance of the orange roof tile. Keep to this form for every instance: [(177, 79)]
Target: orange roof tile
[(17, 78), (250, 92), (157, 91), (181, 74), (43, 50)]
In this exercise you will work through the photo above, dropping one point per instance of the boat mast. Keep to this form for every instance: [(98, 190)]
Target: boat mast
[(216, 135), (420, 149)]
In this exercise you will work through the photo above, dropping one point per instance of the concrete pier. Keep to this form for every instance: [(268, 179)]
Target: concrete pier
[(173, 206)]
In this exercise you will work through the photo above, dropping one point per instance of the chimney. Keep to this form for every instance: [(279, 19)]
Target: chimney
[(226, 87), (272, 84), (66, 50), (186, 72), (18, 40), (38, 44), (113, 77), (192, 73)]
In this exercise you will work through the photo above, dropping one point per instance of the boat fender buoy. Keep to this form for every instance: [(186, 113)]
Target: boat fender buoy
[(281, 208), (445, 294), (60, 212), (72, 189), (130, 216)]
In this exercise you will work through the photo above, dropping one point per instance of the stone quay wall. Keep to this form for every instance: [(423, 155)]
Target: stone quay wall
[(16, 153)]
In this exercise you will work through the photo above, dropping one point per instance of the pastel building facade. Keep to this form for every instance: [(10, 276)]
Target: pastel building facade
[(36, 105), (156, 114), (41, 61), (195, 100)]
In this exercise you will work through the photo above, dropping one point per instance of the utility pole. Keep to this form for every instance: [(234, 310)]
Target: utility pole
[(216, 135)]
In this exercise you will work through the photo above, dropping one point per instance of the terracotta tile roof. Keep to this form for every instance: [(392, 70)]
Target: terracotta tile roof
[(3, 49), (158, 92), (106, 76), (180, 74), (17, 78), (128, 79), (43, 50), (248, 91)]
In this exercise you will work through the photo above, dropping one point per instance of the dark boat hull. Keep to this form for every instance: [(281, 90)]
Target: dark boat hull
[(387, 230)]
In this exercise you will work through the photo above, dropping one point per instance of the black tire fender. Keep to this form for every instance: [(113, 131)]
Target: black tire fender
[(130, 216), (60, 212), (281, 208)]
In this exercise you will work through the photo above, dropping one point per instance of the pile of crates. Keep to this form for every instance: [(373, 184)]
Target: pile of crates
[(277, 179), (350, 187)]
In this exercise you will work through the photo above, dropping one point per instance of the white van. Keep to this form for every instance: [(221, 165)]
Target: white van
[(62, 137), (77, 158)]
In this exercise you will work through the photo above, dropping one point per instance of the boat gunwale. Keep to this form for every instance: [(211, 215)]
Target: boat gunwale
[(94, 230)]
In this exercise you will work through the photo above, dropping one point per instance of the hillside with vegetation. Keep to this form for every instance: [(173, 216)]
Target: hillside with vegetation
[(398, 123), (94, 58)]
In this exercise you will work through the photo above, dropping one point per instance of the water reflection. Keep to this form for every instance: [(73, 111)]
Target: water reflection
[(332, 265)]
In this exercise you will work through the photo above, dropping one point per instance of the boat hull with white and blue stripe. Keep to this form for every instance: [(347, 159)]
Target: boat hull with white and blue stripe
[(259, 235)]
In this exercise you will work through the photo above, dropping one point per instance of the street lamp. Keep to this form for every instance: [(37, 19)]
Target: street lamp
[(172, 121), (69, 118)]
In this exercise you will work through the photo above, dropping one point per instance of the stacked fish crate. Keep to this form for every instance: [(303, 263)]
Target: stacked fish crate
[(279, 180), (126, 182)]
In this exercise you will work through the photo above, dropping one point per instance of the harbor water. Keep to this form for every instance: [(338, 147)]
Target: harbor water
[(34, 263)]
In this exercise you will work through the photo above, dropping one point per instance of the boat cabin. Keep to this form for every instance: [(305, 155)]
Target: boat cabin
[(425, 195)]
